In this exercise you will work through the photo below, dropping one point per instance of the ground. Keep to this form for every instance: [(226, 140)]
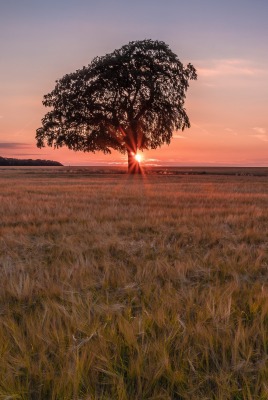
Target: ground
[(148, 287)]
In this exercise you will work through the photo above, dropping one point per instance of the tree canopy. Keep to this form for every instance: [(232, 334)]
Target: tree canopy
[(129, 100)]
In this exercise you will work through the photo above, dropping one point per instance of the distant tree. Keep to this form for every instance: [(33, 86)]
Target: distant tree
[(27, 162), (128, 100)]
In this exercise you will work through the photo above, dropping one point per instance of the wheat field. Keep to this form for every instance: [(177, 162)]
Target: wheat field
[(123, 288)]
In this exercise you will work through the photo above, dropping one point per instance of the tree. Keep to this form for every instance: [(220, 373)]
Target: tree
[(129, 100)]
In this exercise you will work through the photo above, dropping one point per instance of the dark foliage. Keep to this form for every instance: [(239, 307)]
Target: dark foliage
[(14, 162), (130, 99)]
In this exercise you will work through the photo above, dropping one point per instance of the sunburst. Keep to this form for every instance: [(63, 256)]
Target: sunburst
[(138, 157)]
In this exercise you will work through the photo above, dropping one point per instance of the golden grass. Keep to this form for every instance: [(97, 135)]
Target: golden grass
[(150, 288)]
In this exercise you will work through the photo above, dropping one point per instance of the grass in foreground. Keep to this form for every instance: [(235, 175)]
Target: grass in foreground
[(142, 289)]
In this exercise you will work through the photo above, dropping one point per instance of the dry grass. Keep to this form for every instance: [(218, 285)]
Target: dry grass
[(125, 289)]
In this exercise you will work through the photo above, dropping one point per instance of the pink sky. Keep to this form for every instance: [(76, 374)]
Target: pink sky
[(227, 105)]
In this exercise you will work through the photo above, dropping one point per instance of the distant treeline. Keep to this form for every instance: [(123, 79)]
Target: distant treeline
[(14, 162)]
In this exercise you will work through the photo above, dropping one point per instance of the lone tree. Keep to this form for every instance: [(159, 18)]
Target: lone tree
[(128, 100)]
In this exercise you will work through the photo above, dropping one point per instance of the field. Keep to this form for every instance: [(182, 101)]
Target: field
[(137, 288)]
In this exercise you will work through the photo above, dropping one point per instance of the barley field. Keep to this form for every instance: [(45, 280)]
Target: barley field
[(137, 288)]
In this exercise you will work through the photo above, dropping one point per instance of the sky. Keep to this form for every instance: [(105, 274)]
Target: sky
[(41, 41)]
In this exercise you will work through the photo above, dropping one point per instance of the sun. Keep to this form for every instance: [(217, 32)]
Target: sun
[(138, 157)]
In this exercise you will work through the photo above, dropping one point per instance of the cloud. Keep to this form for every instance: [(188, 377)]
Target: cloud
[(177, 135), (261, 134), (13, 145), (114, 163), (231, 131), (259, 130), (29, 154), (152, 165), (203, 130), (227, 67), (263, 138)]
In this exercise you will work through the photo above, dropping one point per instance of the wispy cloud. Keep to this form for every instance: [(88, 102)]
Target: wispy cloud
[(203, 130), (263, 138), (178, 135), (13, 145), (260, 130), (153, 165), (115, 163), (231, 131), (261, 134), (29, 154), (225, 67)]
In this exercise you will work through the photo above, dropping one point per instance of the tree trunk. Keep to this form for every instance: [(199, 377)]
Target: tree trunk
[(133, 165)]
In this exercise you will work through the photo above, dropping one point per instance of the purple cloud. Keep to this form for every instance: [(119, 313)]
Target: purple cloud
[(13, 145)]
